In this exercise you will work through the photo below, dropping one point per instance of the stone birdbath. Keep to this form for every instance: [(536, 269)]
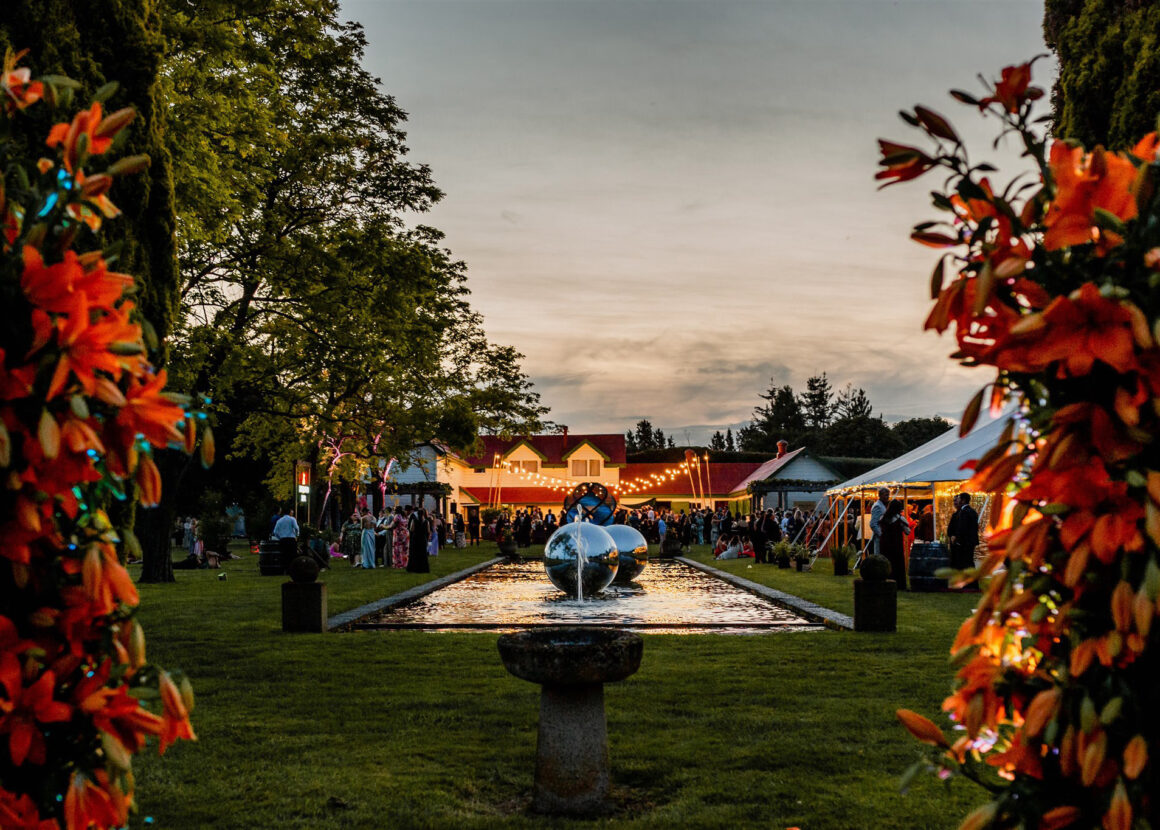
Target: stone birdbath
[(571, 664)]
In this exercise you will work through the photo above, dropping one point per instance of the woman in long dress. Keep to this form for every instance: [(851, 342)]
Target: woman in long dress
[(433, 542), (351, 544), (399, 539), (368, 541), (894, 530), (418, 561)]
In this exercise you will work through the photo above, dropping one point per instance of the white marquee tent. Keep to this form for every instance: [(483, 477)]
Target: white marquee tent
[(938, 460), (930, 474)]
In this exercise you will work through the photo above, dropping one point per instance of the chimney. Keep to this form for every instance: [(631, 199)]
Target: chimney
[(565, 431), (782, 446)]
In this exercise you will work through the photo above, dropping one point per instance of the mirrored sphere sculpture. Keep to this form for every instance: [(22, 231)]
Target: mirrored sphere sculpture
[(590, 502), (632, 549), (581, 553)]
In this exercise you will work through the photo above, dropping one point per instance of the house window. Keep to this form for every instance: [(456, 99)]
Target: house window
[(585, 469), (530, 466)]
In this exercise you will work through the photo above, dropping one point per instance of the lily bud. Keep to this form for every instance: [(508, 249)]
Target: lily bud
[(114, 122), (48, 434), (128, 166), (1135, 757)]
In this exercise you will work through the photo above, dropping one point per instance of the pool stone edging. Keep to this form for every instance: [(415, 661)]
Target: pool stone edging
[(809, 610), (347, 618)]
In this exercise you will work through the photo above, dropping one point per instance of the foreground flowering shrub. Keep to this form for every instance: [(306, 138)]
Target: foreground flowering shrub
[(1055, 283), (80, 411)]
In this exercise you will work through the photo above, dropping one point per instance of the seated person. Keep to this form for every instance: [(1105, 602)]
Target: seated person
[(722, 544), (733, 550), (747, 550)]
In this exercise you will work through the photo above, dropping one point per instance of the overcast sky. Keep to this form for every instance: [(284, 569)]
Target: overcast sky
[(666, 203)]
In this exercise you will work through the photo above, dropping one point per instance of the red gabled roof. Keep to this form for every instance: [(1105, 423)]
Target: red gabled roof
[(723, 478), (553, 448), (768, 468), (516, 495)]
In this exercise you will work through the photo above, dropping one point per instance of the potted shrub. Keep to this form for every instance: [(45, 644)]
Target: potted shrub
[(781, 554), (506, 540), (801, 557), (841, 557)]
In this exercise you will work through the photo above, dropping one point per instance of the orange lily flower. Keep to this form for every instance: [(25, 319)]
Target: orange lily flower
[(97, 802), (20, 813), (18, 88), (149, 412), (105, 580), (176, 715), (53, 287), (1147, 147), (25, 707), (1013, 89), (1084, 182), (67, 136), (88, 348)]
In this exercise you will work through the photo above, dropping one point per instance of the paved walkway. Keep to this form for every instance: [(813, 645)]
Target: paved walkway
[(809, 610)]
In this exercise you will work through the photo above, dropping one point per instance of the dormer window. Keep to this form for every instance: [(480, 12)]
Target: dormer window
[(585, 469)]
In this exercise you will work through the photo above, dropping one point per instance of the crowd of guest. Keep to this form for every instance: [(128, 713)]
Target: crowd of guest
[(404, 537)]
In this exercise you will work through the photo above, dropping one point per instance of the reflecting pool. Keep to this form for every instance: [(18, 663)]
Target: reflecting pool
[(667, 598)]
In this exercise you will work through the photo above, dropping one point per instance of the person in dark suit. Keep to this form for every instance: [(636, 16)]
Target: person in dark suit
[(963, 532)]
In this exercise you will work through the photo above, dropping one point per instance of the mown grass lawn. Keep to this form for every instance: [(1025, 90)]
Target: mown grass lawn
[(411, 729)]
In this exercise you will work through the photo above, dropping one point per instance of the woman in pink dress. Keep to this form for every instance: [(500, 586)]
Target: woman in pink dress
[(400, 539)]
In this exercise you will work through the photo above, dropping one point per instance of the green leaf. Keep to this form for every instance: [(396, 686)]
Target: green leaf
[(1108, 221), (971, 413), (936, 278), (936, 125), (106, 92), (60, 81)]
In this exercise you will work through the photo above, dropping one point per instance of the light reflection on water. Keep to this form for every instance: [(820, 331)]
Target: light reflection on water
[(668, 597)]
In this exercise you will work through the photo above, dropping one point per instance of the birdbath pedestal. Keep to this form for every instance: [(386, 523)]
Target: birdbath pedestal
[(571, 664)]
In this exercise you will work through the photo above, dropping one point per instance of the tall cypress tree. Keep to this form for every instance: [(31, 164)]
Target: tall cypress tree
[(1108, 90), (95, 42)]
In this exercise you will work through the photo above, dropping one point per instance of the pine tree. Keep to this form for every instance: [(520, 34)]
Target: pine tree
[(780, 418), (645, 438), (853, 403), (817, 402), (729, 445), (717, 442)]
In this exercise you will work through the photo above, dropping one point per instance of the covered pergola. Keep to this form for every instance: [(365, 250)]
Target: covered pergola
[(930, 474)]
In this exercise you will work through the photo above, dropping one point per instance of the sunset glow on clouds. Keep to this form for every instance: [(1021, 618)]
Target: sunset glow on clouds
[(663, 204)]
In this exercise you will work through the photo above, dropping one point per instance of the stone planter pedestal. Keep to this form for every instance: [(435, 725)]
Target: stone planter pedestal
[(571, 664), (304, 607), (875, 605), (303, 599)]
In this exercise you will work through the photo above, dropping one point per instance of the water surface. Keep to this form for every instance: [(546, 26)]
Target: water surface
[(668, 597)]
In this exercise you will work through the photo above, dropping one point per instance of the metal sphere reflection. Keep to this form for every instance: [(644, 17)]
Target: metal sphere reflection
[(632, 549), (581, 550)]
